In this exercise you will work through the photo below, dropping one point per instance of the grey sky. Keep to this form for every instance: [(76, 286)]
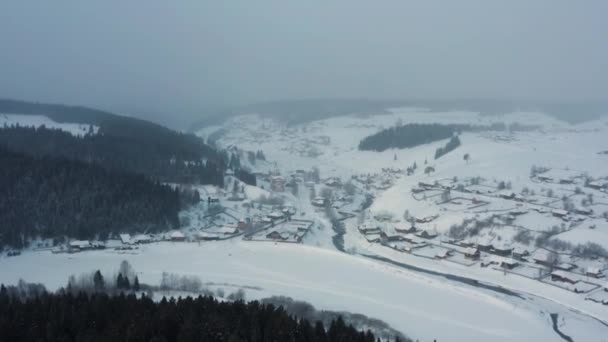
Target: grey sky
[(182, 57)]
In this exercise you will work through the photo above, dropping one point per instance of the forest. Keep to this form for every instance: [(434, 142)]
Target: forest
[(56, 197), (100, 317), (412, 135), (168, 158)]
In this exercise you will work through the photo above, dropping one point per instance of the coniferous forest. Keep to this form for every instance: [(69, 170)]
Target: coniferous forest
[(56, 197), (412, 135), (99, 317), (163, 155)]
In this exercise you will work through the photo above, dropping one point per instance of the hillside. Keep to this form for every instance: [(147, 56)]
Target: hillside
[(113, 141), (49, 197)]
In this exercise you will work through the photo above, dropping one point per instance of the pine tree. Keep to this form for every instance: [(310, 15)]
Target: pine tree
[(136, 284), (98, 281)]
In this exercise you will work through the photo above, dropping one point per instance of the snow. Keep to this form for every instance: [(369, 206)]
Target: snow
[(42, 120), (423, 307)]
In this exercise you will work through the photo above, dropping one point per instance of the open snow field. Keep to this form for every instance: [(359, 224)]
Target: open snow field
[(43, 120), (424, 307)]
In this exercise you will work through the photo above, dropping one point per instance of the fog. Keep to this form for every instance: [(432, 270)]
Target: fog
[(174, 62)]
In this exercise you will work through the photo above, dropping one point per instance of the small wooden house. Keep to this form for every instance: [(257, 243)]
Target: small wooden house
[(472, 253)]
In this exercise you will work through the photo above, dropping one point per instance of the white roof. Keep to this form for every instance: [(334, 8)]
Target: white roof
[(519, 250), (559, 212), (593, 269), (564, 275), (142, 237), (125, 238), (177, 235), (542, 255), (470, 250), (80, 243)]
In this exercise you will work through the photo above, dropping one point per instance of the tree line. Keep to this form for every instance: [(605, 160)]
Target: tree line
[(412, 135), (100, 317), (56, 197)]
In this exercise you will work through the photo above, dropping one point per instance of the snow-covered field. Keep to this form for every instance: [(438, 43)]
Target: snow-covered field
[(43, 120), (424, 307)]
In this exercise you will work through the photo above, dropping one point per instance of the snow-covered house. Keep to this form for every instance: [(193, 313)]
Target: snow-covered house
[(563, 277), (177, 236), (404, 228), (519, 253), (141, 238), (559, 213), (425, 234), (443, 253), (471, 253), (125, 238), (79, 245), (502, 249), (543, 257), (594, 272), (275, 215), (369, 228)]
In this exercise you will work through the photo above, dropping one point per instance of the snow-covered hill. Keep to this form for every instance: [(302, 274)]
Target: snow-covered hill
[(42, 120)]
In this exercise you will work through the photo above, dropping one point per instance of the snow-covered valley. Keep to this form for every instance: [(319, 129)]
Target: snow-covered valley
[(353, 230)]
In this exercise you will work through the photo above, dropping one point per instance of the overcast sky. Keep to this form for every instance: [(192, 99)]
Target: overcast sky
[(180, 58)]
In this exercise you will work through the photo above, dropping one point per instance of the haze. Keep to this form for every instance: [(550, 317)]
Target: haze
[(176, 62)]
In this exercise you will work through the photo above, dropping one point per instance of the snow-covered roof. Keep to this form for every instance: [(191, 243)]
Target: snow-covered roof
[(542, 255), (470, 250), (125, 238), (80, 243), (142, 237), (519, 250), (177, 235), (560, 212)]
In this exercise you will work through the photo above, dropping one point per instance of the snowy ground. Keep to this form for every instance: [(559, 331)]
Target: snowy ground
[(424, 307)]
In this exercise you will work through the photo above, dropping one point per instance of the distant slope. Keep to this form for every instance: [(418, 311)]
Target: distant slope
[(58, 112), (300, 111), (121, 143)]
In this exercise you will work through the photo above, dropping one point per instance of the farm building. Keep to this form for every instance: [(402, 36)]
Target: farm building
[(177, 236), (472, 253), (519, 253), (563, 277), (596, 185), (544, 257), (594, 272), (141, 239), (425, 234), (80, 245), (369, 228), (125, 239), (584, 211), (404, 229), (484, 245), (502, 249), (443, 254), (275, 215), (559, 213)]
